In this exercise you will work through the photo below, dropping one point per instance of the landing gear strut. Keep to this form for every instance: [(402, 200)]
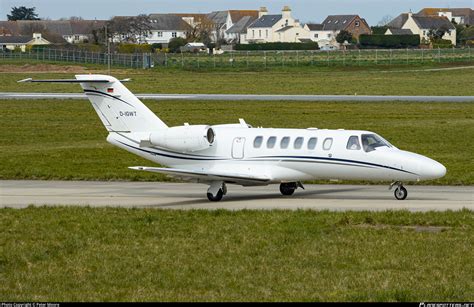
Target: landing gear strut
[(288, 188), (400, 192), (216, 191)]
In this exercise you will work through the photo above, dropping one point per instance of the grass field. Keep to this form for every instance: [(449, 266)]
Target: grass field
[(381, 80), (85, 254), (53, 139)]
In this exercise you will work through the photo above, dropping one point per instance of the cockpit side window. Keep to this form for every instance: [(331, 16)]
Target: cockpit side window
[(371, 141), (353, 143)]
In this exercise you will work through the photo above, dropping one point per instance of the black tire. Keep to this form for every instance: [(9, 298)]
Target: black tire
[(287, 188), (400, 193), (218, 197)]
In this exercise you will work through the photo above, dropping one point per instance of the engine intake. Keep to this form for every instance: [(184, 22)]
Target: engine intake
[(184, 138)]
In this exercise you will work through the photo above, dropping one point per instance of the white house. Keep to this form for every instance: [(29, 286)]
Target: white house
[(165, 27), (8, 42), (422, 25), (324, 38), (461, 16), (275, 28)]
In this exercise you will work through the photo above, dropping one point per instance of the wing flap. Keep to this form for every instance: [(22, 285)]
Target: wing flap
[(243, 179)]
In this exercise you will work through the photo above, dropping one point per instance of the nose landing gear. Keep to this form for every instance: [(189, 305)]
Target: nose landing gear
[(216, 191), (400, 192)]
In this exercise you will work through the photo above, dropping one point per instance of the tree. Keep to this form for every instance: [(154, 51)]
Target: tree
[(128, 29), (437, 34), (176, 43), (385, 20), (343, 36), (23, 13)]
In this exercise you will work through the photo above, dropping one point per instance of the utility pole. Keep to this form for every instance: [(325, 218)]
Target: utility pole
[(108, 49)]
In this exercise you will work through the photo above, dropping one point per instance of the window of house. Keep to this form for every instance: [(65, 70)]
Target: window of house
[(266, 33), (285, 141), (298, 143), (315, 35), (159, 34), (253, 33), (260, 33), (258, 141), (329, 35), (271, 142), (327, 144), (312, 143), (174, 34), (357, 23), (353, 143)]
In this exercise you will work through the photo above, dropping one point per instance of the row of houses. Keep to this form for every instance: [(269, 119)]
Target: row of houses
[(238, 26)]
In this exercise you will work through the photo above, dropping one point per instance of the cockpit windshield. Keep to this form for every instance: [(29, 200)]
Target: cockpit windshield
[(372, 141)]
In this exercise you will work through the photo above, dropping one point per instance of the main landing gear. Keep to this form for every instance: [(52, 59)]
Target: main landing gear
[(400, 192), (288, 188), (216, 191)]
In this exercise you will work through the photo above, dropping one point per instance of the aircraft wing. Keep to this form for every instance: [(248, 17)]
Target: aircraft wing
[(201, 176)]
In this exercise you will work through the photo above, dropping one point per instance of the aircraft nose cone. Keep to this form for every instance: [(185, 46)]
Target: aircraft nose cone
[(432, 170)]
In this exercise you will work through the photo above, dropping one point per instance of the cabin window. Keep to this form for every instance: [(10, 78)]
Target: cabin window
[(285, 142), (353, 143), (312, 143), (298, 143), (258, 141), (327, 144), (271, 142)]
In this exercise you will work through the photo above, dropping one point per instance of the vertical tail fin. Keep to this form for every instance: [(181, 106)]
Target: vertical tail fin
[(117, 107)]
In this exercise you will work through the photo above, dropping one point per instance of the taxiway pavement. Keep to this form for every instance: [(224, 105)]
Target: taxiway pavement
[(20, 194), (231, 97)]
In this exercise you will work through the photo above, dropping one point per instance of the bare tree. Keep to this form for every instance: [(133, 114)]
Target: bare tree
[(385, 20)]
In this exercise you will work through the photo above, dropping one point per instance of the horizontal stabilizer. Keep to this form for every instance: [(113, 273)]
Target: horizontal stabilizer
[(242, 179), (72, 80)]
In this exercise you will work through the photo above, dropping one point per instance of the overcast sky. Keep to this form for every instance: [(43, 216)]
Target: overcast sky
[(305, 10)]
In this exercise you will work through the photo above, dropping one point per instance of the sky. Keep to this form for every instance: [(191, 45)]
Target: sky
[(304, 10)]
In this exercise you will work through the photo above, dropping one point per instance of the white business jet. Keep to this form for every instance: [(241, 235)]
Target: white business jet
[(240, 154)]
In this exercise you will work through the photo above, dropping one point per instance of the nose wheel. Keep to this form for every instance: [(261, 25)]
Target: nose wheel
[(400, 192), (217, 189)]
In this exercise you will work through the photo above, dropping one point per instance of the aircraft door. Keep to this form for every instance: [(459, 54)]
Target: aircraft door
[(238, 148)]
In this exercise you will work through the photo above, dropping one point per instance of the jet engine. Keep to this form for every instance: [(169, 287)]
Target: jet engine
[(184, 138)]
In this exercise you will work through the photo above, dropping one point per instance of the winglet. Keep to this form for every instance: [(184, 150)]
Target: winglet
[(25, 80)]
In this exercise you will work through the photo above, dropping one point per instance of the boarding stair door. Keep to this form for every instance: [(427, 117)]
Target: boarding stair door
[(238, 148)]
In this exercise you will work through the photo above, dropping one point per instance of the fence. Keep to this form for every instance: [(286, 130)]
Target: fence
[(137, 60), (252, 59)]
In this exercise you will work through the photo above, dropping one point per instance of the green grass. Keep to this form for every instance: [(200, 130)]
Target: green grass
[(292, 81), (86, 254), (53, 139)]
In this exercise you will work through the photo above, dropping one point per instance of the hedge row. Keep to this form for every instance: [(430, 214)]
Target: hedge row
[(278, 46), (389, 41)]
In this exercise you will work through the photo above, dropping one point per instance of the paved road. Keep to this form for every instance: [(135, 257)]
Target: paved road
[(250, 97), (20, 194)]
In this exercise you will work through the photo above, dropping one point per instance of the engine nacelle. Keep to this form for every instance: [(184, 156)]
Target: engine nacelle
[(184, 138)]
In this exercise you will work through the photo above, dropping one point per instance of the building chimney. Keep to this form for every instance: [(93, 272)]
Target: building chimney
[(262, 12), (286, 12)]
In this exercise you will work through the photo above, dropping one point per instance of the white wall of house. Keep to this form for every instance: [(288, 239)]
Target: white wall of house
[(292, 35), (163, 37), (323, 38)]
